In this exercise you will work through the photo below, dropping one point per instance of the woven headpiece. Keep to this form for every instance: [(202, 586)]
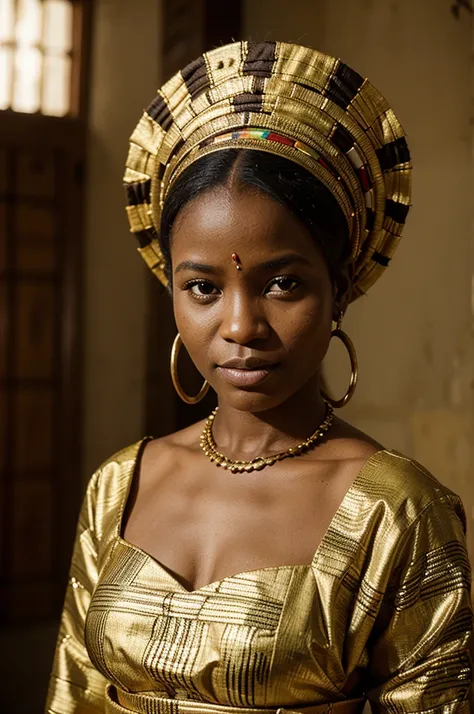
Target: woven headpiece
[(284, 99)]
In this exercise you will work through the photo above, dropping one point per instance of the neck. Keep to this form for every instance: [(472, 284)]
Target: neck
[(245, 435)]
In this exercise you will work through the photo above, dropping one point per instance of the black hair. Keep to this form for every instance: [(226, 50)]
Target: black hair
[(284, 181)]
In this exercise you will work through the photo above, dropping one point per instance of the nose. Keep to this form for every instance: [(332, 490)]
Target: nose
[(243, 320)]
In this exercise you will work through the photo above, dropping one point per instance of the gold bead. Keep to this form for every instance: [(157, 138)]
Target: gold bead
[(210, 449)]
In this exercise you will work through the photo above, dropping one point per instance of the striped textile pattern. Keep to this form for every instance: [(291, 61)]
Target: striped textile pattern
[(382, 612), (330, 120)]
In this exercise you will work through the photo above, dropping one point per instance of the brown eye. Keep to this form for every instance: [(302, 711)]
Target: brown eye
[(201, 288), (283, 285)]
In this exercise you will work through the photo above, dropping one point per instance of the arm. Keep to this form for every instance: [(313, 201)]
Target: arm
[(75, 686), (421, 658)]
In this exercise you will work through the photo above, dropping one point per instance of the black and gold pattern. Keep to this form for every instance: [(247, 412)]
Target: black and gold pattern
[(338, 125), (382, 611)]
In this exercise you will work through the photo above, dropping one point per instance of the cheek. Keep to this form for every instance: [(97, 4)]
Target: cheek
[(309, 345), (308, 327), (182, 314), (192, 322)]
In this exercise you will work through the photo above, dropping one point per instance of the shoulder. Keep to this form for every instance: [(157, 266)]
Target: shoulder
[(108, 489), (118, 468), (407, 488), (397, 513), (117, 478), (170, 452), (112, 480), (427, 534), (393, 483)]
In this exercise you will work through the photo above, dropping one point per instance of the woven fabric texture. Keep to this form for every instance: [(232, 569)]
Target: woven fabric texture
[(292, 101), (382, 611)]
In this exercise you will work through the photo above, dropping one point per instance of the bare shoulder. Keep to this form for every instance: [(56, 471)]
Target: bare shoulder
[(348, 445), (162, 463), (394, 476), (405, 486), (170, 451)]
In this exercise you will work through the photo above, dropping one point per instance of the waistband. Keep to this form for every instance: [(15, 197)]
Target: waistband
[(145, 704)]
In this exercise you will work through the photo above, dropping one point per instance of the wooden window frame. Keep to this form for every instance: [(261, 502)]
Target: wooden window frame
[(63, 136)]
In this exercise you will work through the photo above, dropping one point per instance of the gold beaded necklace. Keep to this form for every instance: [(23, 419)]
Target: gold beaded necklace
[(208, 445)]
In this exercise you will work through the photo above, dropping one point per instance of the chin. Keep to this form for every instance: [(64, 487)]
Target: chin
[(246, 400)]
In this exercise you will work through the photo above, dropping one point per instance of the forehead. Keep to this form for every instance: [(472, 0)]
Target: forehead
[(226, 220)]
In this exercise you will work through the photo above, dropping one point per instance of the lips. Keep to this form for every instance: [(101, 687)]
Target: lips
[(246, 372), (247, 363)]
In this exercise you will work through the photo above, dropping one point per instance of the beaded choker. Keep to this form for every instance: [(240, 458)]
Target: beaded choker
[(209, 447)]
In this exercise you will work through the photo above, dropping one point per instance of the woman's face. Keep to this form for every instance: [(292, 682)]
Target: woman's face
[(258, 334)]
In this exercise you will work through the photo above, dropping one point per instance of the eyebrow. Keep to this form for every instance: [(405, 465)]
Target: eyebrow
[(198, 267), (282, 262), (272, 264)]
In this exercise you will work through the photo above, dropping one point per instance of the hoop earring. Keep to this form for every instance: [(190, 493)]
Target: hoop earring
[(349, 345), (177, 344)]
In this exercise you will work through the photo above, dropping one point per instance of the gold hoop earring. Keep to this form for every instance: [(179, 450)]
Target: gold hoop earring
[(177, 344), (349, 345)]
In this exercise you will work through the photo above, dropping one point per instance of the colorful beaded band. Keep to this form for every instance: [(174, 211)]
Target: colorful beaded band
[(361, 170)]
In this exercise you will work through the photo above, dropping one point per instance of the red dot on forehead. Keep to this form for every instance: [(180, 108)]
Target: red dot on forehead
[(237, 261)]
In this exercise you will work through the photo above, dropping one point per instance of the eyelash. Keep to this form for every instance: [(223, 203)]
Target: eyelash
[(199, 281), (192, 283)]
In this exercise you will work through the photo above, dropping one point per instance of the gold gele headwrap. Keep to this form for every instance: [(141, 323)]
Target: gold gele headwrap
[(291, 101)]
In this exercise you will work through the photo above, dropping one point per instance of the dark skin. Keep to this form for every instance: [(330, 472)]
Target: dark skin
[(202, 523)]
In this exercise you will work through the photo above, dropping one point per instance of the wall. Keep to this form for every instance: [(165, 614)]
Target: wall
[(126, 75), (414, 332)]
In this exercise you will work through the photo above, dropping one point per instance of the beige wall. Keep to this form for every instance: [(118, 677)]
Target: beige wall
[(126, 75), (414, 332)]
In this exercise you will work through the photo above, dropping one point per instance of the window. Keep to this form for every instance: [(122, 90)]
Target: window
[(44, 61), (37, 56)]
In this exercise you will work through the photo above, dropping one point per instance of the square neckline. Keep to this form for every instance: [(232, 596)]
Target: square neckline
[(140, 446)]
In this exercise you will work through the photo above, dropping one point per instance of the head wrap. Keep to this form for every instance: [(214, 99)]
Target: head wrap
[(288, 100)]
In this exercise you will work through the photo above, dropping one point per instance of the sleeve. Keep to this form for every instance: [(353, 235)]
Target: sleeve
[(421, 653), (75, 686)]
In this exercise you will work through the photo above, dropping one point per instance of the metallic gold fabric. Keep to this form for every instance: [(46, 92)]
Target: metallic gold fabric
[(383, 611), (330, 120)]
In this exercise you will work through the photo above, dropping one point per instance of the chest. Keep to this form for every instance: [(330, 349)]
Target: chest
[(206, 525), (252, 639)]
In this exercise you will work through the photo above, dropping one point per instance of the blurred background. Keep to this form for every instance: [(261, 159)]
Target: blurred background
[(86, 332)]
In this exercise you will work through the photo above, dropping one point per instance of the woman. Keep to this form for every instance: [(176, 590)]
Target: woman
[(268, 185)]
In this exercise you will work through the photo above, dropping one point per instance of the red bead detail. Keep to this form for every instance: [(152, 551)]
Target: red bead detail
[(280, 139), (235, 258)]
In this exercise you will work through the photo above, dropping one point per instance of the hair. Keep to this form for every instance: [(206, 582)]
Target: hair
[(282, 180)]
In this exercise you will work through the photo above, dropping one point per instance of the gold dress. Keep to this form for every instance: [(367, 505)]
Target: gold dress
[(383, 611)]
